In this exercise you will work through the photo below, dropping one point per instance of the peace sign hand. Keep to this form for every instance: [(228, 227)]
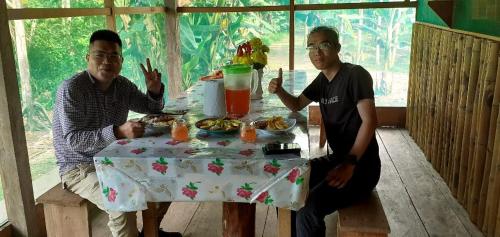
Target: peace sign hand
[(152, 77)]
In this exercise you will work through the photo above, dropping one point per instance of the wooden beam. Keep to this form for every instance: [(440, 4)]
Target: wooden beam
[(139, 10), (232, 9), (444, 9), (174, 56), (44, 13), (14, 163), (301, 7), (291, 44), (110, 19), (391, 117), (364, 5), (6, 230)]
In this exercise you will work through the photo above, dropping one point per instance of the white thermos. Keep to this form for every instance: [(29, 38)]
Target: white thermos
[(214, 103)]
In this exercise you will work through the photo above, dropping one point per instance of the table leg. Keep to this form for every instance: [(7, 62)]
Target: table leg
[(150, 220), (238, 219), (284, 222)]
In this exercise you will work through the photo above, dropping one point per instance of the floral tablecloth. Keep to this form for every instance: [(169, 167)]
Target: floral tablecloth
[(210, 167)]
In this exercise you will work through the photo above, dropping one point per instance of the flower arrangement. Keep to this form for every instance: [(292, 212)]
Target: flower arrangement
[(252, 52)]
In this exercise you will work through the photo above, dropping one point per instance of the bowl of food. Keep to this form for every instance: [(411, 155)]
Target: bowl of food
[(158, 121), (218, 125), (275, 124)]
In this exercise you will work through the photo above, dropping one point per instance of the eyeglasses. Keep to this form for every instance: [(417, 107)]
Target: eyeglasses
[(324, 46), (112, 57)]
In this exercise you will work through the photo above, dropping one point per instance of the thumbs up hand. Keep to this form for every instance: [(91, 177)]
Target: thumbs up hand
[(275, 83)]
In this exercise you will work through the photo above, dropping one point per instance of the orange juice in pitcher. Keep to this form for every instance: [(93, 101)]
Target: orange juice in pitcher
[(237, 87)]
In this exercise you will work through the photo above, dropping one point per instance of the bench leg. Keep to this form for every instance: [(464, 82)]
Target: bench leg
[(284, 222), (62, 221)]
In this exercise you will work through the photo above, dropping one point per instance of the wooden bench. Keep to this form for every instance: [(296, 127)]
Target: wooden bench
[(364, 219), (66, 214)]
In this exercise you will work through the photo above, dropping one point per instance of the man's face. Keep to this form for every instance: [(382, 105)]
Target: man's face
[(104, 61), (323, 54)]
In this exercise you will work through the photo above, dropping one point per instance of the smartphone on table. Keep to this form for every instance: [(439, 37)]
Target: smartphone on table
[(281, 148)]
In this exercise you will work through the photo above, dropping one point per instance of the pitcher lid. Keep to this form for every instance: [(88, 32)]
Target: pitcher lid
[(237, 69)]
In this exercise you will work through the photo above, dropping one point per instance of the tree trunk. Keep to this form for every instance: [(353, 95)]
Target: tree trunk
[(66, 3), (394, 44), (377, 53), (388, 48), (22, 58), (360, 38)]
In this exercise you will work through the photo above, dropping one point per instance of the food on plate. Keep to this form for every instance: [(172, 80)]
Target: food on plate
[(274, 123), (160, 120), (219, 124), (217, 74)]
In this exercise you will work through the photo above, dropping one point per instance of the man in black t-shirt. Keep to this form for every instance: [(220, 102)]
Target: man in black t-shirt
[(345, 94)]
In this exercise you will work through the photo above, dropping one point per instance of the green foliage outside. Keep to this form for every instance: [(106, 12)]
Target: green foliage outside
[(209, 40), (143, 37)]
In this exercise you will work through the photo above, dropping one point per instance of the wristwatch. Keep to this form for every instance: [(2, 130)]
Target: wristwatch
[(351, 159)]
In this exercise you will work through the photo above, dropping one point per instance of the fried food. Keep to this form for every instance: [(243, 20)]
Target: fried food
[(161, 120), (276, 123), (219, 124)]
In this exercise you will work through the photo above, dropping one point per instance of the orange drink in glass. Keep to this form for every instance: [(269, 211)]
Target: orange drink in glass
[(180, 130), (248, 133)]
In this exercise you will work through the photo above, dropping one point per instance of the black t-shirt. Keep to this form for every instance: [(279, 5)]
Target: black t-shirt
[(338, 99)]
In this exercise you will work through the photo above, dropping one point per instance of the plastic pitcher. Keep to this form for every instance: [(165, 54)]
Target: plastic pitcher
[(237, 88)]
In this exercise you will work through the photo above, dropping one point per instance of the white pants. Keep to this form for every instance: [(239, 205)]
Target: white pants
[(83, 181)]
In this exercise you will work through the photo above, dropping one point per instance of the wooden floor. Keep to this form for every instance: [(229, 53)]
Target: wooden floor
[(416, 200)]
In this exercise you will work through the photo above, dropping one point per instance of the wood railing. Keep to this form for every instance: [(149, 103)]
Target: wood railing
[(453, 115)]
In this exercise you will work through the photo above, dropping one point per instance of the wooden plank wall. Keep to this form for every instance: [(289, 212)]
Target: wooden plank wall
[(453, 115)]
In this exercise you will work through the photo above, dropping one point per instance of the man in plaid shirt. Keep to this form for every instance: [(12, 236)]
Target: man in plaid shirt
[(91, 112)]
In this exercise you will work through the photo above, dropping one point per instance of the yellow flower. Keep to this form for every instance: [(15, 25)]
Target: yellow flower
[(252, 52)]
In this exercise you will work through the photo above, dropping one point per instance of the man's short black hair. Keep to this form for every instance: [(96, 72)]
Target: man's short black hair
[(331, 33), (106, 35)]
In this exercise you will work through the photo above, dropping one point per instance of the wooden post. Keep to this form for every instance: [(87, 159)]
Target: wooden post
[(174, 57), (483, 125), (150, 220), (453, 104), (14, 161), (494, 150), (464, 82), (110, 19), (469, 115), (431, 92), (487, 128), (444, 118), (238, 219)]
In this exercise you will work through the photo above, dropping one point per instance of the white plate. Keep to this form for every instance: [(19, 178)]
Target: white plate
[(291, 123)]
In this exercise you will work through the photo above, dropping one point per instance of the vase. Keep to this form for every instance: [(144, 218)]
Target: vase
[(257, 93)]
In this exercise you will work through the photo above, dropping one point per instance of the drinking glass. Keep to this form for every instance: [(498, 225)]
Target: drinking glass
[(247, 132), (180, 130)]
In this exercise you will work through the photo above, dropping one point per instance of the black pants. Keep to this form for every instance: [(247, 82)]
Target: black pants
[(324, 199)]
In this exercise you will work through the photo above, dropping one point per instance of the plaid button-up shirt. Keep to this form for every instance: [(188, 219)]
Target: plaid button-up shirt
[(84, 116)]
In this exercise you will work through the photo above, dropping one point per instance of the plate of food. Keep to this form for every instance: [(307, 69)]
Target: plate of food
[(275, 124), (218, 125), (158, 120)]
